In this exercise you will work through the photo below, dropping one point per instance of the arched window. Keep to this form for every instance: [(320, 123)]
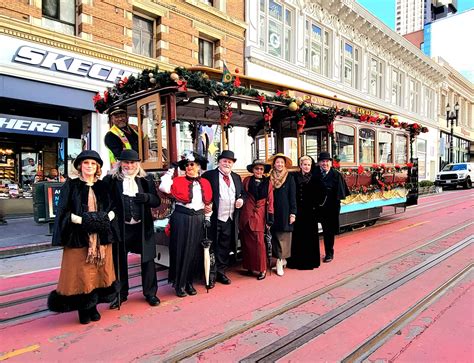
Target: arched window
[(366, 146)]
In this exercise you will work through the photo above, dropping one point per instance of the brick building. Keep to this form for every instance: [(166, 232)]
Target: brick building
[(56, 55)]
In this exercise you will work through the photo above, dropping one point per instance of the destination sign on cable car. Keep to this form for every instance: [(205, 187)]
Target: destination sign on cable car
[(327, 102)]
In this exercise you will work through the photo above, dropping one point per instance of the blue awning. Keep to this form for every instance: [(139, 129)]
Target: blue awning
[(34, 91)]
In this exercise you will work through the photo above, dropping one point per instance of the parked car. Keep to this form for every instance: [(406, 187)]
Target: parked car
[(456, 174)]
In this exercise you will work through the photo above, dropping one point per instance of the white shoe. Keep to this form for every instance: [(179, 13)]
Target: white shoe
[(279, 266)]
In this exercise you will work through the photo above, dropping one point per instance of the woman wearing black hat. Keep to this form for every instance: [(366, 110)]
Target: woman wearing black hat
[(330, 189), (83, 227), (193, 196), (134, 193), (305, 239), (253, 218)]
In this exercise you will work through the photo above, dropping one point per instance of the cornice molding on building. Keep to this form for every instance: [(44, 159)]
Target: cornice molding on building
[(372, 29), (200, 12), (454, 75), (77, 45), (334, 88)]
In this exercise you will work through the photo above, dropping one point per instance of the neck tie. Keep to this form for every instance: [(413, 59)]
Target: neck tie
[(226, 179)]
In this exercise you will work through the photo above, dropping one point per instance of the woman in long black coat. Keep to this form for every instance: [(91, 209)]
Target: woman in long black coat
[(284, 205), (305, 240), (85, 226)]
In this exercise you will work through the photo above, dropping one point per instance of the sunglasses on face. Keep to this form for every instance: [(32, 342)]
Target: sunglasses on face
[(191, 164), (259, 168)]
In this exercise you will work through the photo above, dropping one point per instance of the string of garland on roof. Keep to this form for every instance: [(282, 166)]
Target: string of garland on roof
[(222, 91)]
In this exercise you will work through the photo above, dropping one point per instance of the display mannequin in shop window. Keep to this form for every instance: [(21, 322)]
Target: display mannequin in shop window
[(121, 135), (28, 171)]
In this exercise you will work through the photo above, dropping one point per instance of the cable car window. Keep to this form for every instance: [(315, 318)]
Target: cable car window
[(366, 146), (345, 143), (290, 149), (385, 147), (401, 156)]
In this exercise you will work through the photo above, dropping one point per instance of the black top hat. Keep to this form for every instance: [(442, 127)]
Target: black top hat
[(256, 162), (227, 154), (117, 109), (87, 154), (192, 157), (324, 155), (128, 155)]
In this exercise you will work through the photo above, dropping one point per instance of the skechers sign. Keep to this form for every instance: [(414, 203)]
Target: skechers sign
[(64, 63), (33, 126)]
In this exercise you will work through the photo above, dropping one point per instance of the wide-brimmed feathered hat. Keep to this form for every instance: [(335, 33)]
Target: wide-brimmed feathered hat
[(288, 162), (256, 162), (192, 156), (87, 154)]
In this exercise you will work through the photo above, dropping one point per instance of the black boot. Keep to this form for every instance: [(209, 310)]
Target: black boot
[(94, 314), (84, 316)]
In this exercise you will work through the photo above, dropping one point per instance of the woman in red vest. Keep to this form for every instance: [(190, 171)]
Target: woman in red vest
[(193, 196)]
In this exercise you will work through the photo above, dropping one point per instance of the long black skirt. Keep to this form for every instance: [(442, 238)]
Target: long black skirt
[(185, 245), (305, 253)]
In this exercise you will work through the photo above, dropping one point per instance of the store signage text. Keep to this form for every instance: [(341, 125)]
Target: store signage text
[(30, 126), (64, 63), (327, 102)]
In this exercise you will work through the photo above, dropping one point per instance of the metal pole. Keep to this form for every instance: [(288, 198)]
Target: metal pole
[(451, 149)]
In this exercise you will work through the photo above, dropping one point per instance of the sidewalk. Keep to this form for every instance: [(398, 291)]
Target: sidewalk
[(21, 235)]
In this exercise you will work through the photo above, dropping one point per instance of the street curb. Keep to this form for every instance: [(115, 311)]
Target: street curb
[(12, 251)]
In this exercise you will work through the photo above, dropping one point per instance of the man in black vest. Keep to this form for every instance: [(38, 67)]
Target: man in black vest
[(134, 194), (227, 199), (331, 188)]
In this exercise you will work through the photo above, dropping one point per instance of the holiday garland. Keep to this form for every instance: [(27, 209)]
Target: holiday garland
[(221, 92)]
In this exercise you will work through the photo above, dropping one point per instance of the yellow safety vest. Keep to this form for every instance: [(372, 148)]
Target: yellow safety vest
[(126, 144)]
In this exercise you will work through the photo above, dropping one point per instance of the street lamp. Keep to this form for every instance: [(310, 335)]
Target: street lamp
[(452, 116)]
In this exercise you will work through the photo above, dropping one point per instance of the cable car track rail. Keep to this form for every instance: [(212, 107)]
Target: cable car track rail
[(219, 338)]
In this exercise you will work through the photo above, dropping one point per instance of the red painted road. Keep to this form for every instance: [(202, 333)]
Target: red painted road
[(139, 332)]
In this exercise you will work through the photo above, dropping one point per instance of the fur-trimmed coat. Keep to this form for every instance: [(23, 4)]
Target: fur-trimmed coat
[(73, 199)]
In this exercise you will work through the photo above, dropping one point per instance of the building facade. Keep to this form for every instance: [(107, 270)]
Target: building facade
[(339, 50), (56, 58)]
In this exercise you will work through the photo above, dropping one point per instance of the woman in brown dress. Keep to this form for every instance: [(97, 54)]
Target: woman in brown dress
[(253, 218), (85, 227)]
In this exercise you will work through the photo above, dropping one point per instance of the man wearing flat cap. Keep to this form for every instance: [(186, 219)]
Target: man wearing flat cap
[(227, 199), (134, 194), (331, 188), (121, 135)]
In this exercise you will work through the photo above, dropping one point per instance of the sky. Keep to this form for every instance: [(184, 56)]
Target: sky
[(385, 9)]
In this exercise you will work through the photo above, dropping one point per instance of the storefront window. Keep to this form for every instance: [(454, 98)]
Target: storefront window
[(385, 147), (366, 146), (401, 143), (345, 143)]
